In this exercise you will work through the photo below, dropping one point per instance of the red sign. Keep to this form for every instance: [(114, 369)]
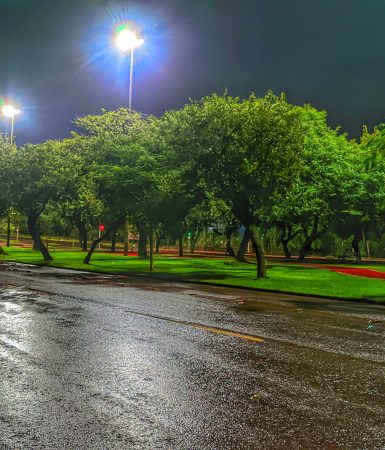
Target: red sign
[(101, 227)]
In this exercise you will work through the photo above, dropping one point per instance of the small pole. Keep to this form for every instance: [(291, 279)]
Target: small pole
[(131, 79), (151, 250), (12, 124)]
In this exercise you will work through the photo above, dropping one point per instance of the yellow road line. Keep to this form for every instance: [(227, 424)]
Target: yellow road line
[(248, 337)]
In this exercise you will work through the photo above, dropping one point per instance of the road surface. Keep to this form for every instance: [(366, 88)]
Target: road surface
[(108, 362)]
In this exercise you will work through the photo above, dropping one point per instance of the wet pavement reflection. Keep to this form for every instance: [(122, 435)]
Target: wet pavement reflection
[(94, 361)]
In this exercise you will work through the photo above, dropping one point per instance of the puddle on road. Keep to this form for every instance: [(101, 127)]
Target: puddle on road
[(306, 304), (250, 304), (250, 307), (14, 265), (127, 281), (25, 299)]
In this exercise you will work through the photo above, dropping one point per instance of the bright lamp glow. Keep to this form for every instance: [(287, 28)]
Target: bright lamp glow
[(10, 111), (127, 40)]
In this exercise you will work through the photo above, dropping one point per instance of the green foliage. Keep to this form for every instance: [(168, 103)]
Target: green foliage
[(40, 173), (218, 162), (111, 125), (374, 145), (240, 151)]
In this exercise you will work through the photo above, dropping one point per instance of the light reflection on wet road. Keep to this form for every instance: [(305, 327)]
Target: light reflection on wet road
[(108, 362)]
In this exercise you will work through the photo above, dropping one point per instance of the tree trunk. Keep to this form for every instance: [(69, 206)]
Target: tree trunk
[(194, 239), (142, 244), (229, 249), (157, 245), (94, 243), (114, 229), (158, 238), (307, 245), (305, 249), (35, 234), (356, 250), (151, 250), (240, 256), (261, 260), (113, 242), (286, 236), (285, 248), (8, 229), (365, 241), (83, 238), (180, 245), (83, 234), (125, 238)]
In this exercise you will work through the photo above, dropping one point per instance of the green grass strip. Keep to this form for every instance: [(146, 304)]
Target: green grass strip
[(291, 278)]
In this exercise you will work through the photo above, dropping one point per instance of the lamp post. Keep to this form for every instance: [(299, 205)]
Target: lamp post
[(10, 112), (127, 41)]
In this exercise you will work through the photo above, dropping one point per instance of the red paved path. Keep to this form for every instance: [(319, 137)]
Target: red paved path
[(366, 273)]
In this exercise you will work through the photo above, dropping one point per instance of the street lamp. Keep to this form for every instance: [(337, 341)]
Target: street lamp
[(128, 41), (10, 112)]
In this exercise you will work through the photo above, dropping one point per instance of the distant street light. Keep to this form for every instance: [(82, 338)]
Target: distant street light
[(128, 41), (10, 112)]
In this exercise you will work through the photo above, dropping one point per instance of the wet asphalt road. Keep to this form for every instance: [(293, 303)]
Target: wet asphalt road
[(91, 362)]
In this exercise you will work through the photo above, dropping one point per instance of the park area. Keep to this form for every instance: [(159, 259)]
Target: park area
[(192, 225), (258, 176), (316, 277)]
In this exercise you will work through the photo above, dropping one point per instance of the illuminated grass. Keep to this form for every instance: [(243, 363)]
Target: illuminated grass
[(292, 278)]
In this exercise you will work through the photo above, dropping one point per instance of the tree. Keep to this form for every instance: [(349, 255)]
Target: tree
[(241, 151), (120, 128), (326, 185), (369, 209), (83, 209), (125, 179), (175, 202), (41, 173)]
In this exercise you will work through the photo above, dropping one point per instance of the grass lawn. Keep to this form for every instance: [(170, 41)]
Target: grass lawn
[(291, 277)]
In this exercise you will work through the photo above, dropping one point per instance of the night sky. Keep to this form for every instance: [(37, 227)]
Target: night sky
[(57, 59)]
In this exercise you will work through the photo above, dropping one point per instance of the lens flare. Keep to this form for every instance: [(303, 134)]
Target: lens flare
[(127, 40), (10, 111)]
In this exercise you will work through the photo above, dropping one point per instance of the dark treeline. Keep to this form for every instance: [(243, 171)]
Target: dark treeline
[(274, 170)]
